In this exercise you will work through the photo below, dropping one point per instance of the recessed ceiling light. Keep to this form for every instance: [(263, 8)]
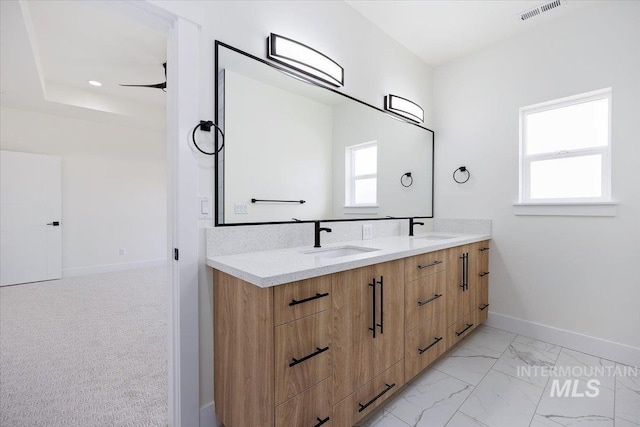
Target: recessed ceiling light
[(94, 83)]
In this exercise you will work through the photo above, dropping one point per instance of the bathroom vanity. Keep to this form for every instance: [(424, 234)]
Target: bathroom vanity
[(311, 337)]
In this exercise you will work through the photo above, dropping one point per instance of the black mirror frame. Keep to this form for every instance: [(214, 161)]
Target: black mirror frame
[(217, 45)]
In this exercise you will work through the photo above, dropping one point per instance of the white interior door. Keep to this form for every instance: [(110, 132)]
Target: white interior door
[(30, 217)]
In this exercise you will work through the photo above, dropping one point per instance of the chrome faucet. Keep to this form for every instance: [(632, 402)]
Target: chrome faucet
[(317, 231), (413, 222)]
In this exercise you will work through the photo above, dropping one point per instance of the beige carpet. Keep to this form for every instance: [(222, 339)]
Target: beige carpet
[(85, 351)]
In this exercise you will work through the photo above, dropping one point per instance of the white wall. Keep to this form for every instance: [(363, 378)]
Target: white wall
[(375, 65), (580, 274), (282, 152), (113, 187)]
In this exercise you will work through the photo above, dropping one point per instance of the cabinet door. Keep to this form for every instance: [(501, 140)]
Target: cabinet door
[(459, 299), (353, 343), (389, 341)]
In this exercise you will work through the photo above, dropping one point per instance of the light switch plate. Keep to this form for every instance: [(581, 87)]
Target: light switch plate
[(204, 207), (367, 232)]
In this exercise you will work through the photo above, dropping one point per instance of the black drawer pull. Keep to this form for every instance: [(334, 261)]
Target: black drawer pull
[(316, 296), (484, 273), (436, 296), (373, 307), (464, 330), (319, 350), (483, 307), (320, 422), (363, 407), (422, 267), (437, 340), (483, 249)]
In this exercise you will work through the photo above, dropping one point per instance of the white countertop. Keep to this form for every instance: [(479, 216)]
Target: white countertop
[(275, 267)]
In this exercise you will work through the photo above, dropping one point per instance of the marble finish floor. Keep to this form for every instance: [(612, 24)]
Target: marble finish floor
[(495, 378)]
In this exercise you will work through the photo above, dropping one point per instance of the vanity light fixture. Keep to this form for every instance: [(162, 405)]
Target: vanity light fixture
[(304, 59), (94, 83), (403, 107)]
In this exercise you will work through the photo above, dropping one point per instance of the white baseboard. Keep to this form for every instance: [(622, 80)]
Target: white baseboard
[(609, 350), (208, 416), (108, 268)]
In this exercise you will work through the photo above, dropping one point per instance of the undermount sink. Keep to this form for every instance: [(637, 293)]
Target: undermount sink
[(339, 251), (436, 237)]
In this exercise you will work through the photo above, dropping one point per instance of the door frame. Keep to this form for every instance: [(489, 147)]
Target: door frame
[(183, 41)]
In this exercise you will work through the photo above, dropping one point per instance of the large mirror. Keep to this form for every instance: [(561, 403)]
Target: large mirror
[(296, 150)]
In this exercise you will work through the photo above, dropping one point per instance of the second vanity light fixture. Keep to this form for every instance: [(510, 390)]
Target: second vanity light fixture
[(403, 107), (304, 59)]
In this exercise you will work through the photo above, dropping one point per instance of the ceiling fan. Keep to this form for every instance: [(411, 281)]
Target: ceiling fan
[(162, 85)]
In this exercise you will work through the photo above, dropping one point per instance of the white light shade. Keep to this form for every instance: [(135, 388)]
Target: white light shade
[(304, 59), (94, 83), (404, 108)]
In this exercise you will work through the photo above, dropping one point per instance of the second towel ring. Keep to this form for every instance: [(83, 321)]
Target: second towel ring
[(410, 178), (461, 169)]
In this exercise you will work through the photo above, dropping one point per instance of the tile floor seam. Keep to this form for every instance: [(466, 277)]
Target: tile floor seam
[(482, 379), (535, 412)]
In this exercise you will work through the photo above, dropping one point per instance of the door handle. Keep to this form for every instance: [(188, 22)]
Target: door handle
[(54, 223)]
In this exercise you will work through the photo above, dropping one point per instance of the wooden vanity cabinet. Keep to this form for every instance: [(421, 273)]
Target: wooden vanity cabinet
[(328, 351)]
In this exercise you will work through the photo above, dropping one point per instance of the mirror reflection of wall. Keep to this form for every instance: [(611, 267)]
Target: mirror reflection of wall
[(287, 139)]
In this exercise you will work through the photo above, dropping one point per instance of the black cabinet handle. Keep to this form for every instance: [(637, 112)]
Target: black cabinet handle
[(381, 283), (483, 249), (54, 223), (363, 407), (466, 271), (436, 296), (483, 307), (484, 273), (421, 267), (319, 350), (320, 422), (464, 330), (437, 340), (373, 309), (316, 296)]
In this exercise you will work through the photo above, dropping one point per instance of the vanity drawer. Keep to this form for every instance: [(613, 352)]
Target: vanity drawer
[(308, 409), (425, 344), (302, 354), (299, 299), (423, 265), (424, 298), (462, 328), (368, 397)]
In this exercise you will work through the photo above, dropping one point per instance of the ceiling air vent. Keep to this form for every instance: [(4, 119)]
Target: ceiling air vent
[(528, 14)]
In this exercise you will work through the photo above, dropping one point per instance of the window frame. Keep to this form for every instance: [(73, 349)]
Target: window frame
[(604, 151), (351, 178)]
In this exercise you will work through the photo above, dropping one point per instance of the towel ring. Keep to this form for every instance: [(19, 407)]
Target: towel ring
[(462, 169), (408, 175)]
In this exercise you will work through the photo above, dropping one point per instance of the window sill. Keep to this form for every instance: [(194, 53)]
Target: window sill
[(566, 209), (361, 210)]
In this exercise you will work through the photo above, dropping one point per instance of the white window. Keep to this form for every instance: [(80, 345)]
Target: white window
[(361, 187), (565, 150)]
